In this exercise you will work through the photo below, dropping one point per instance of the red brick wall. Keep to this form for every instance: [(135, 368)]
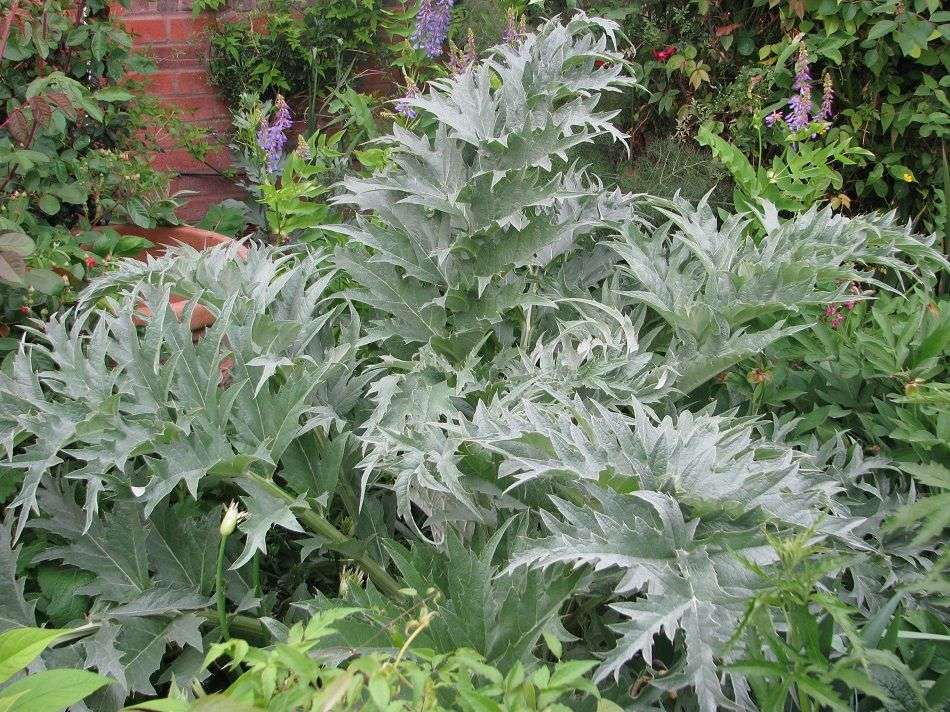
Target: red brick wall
[(178, 42)]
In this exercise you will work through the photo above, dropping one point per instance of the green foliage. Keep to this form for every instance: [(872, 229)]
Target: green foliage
[(47, 691), (292, 195), (292, 207), (282, 48), (802, 176), (70, 155), (666, 166), (285, 677), (729, 64), (229, 217), (498, 432)]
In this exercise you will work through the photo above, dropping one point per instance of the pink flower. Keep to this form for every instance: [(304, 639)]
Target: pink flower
[(663, 55)]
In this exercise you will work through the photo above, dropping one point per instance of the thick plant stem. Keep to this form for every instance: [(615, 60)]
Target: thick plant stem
[(318, 524), (220, 592), (243, 627)]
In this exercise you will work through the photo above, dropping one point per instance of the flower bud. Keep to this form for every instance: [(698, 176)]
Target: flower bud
[(232, 515)]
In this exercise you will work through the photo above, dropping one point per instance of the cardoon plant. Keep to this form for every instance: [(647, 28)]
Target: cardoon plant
[(515, 417)]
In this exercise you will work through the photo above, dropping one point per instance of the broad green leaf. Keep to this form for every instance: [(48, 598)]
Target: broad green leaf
[(53, 690), (21, 646)]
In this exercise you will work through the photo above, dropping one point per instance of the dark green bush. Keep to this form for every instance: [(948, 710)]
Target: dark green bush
[(291, 47), (71, 153)]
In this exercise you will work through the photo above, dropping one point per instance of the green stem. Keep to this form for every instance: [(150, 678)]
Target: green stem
[(318, 524), (256, 573), (219, 590), (243, 627)]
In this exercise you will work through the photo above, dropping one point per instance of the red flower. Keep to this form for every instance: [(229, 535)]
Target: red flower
[(599, 63), (662, 55), (24, 309), (90, 262)]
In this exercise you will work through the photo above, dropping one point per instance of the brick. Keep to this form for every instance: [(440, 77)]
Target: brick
[(187, 27), (148, 30), (381, 82), (180, 161), (210, 189), (178, 56), (161, 82), (200, 108), (193, 81)]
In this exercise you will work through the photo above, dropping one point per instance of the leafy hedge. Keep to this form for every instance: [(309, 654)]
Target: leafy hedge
[(727, 65)]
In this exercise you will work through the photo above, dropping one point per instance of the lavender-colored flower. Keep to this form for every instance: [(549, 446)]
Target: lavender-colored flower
[(513, 33), (800, 104), (773, 118), (403, 105), (800, 115), (802, 70), (432, 25), (826, 110), (273, 137)]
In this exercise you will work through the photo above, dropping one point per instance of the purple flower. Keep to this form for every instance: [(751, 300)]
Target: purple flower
[(432, 26), (800, 115), (773, 118), (826, 110), (802, 70), (403, 105), (514, 31), (273, 137), (800, 104)]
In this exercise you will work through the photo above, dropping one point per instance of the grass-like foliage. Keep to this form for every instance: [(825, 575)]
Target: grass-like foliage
[(495, 412)]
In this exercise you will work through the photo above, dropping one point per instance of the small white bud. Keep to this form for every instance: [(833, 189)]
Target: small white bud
[(232, 515)]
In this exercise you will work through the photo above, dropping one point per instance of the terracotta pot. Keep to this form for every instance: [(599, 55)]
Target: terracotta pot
[(164, 237)]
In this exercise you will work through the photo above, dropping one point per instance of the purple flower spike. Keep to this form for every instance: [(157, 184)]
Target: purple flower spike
[(802, 70), (513, 32), (432, 26), (800, 104), (273, 137), (800, 115), (773, 118), (826, 111), (460, 60), (403, 105)]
